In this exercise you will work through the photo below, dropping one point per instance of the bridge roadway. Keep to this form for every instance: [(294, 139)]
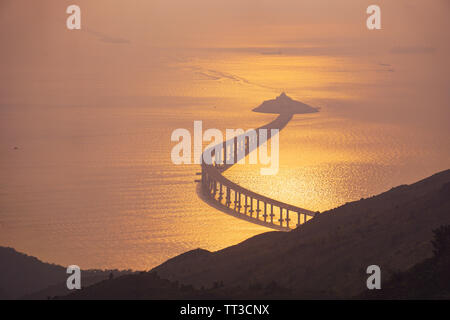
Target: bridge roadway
[(233, 198)]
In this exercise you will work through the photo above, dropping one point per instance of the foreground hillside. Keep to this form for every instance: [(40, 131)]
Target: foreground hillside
[(328, 256), (23, 276), (325, 258), (427, 280)]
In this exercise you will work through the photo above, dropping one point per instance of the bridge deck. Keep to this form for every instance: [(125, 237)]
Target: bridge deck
[(212, 176)]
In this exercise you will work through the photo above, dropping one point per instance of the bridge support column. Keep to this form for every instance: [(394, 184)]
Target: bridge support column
[(228, 200), (247, 145), (257, 140), (251, 207), (220, 192), (225, 154), (246, 205), (235, 149), (265, 212), (215, 188), (281, 217), (271, 213), (239, 203), (257, 209), (287, 218), (298, 216)]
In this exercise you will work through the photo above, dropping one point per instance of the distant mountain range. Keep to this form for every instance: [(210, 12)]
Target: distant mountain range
[(325, 258)]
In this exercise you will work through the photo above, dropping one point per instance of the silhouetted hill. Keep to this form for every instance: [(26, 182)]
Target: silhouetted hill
[(328, 256), (325, 258), (429, 279), (23, 276)]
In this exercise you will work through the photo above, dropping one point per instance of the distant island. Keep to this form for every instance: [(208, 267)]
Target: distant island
[(284, 104)]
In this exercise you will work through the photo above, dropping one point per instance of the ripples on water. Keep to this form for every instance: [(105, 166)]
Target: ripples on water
[(94, 185)]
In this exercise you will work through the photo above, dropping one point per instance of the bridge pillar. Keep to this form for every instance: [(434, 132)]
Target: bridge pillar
[(265, 212), (281, 216), (228, 200), (257, 209), (235, 149), (251, 207), (271, 213), (215, 188), (247, 144), (287, 218), (298, 216), (220, 192), (225, 155), (257, 140), (239, 203)]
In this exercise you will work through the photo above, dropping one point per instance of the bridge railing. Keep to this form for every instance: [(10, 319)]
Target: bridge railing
[(270, 211), (275, 214)]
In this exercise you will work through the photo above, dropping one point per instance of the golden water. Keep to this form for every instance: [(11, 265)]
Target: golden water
[(92, 184)]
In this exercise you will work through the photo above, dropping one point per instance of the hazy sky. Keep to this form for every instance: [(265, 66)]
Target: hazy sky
[(40, 25), (142, 46)]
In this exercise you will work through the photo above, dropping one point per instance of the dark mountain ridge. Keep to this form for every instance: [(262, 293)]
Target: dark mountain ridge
[(26, 277), (328, 256), (325, 258)]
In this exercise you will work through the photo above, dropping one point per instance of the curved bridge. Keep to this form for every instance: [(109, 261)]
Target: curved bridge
[(242, 202)]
